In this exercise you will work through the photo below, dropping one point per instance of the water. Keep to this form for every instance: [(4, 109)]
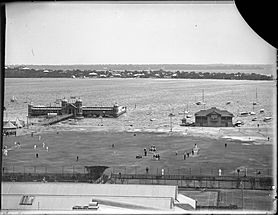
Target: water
[(149, 101), (145, 99)]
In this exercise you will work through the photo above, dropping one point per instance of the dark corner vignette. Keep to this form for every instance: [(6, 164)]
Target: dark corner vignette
[(261, 17)]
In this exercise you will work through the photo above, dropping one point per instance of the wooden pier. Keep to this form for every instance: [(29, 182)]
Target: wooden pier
[(56, 119)]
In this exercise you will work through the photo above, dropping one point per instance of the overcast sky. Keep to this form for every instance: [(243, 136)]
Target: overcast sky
[(90, 33)]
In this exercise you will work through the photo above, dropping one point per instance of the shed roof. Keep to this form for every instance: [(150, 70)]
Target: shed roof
[(8, 125), (126, 196), (213, 110)]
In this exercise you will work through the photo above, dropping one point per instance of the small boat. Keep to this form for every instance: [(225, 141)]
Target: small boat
[(266, 119), (153, 119), (184, 122), (252, 113), (254, 119), (228, 102), (244, 113), (198, 103), (261, 110), (188, 116), (13, 99), (183, 113), (255, 103), (238, 123)]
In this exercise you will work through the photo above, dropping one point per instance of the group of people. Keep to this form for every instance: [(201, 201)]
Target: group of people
[(44, 146), (195, 151), (153, 150), (5, 149)]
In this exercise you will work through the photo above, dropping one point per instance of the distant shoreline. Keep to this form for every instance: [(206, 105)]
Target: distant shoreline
[(221, 72)]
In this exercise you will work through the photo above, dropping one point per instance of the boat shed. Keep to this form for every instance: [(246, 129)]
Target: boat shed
[(214, 117), (9, 128)]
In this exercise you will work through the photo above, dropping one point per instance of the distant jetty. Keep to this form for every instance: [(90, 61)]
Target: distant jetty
[(73, 108)]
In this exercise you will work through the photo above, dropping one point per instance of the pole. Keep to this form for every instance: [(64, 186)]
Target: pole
[(171, 129), (242, 200)]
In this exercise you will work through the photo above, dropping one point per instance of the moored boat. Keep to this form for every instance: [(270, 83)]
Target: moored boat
[(244, 113), (267, 118), (261, 110)]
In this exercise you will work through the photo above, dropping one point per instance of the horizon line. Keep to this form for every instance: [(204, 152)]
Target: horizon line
[(144, 64)]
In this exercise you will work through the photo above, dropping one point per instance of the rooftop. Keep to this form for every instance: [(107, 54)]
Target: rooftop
[(214, 110), (63, 196)]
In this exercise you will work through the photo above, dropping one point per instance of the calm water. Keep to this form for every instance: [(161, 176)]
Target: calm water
[(146, 99)]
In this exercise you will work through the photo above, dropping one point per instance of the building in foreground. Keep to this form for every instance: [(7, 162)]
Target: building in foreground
[(75, 108), (34, 196), (214, 117)]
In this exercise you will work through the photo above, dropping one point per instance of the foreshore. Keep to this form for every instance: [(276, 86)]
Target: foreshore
[(247, 148), (262, 135)]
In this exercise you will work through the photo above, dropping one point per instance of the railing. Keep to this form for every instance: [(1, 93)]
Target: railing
[(91, 174), (197, 181), (48, 177)]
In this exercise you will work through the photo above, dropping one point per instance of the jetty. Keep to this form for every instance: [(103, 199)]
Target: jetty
[(56, 119), (76, 110)]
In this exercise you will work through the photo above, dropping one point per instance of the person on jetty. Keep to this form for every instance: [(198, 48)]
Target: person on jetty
[(35, 147), (46, 148)]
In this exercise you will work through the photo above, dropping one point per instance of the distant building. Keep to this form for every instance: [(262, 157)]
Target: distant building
[(214, 117)]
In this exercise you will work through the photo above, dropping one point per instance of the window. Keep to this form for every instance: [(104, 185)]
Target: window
[(27, 200)]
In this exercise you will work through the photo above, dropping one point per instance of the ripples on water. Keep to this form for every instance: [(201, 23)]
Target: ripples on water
[(149, 101)]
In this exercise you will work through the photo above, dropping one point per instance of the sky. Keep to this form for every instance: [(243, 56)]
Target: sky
[(113, 33)]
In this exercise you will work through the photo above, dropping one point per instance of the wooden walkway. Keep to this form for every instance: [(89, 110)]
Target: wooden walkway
[(56, 119)]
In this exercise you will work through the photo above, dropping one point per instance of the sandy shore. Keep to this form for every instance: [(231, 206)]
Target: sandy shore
[(251, 134)]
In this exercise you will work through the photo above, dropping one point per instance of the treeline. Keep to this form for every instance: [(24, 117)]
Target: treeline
[(76, 73)]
